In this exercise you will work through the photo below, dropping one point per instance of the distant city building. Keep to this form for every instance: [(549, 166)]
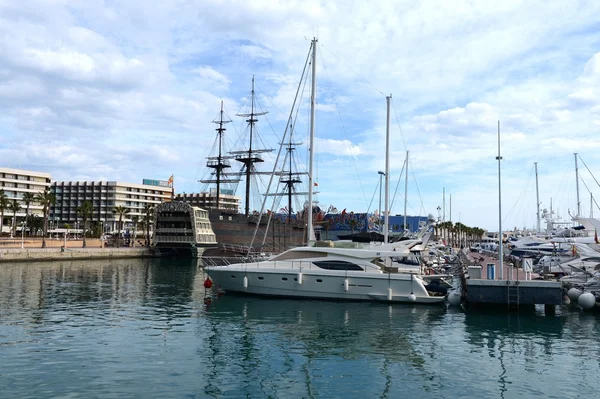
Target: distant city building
[(15, 183), (208, 200), (104, 197)]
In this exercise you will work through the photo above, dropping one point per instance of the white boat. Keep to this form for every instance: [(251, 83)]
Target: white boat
[(327, 273)]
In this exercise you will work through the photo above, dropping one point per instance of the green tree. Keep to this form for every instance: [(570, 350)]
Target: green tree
[(3, 206), (85, 211), (14, 207), (46, 198), (120, 211), (28, 199)]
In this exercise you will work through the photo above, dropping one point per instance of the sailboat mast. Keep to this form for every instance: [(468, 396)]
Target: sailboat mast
[(405, 190), (311, 148), (500, 251), (537, 195), (386, 217), (444, 201), (577, 186)]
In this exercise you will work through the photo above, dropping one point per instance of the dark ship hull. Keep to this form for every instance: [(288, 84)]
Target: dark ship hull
[(235, 232)]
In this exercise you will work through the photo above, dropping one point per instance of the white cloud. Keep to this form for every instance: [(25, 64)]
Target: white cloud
[(133, 90), (211, 75)]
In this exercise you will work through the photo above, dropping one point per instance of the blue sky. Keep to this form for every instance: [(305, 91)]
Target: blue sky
[(95, 90)]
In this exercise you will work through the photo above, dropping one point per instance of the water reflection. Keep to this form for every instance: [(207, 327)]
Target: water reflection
[(48, 291), (141, 328), (373, 336)]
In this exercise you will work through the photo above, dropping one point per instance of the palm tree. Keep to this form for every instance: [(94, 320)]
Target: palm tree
[(35, 223), (3, 207), (47, 199), (85, 211), (120, 211), (135, 220), (352, 224), (28, 198), (148, 212), (14, 207)]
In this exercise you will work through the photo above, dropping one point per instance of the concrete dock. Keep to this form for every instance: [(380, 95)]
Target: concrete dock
[(513, 290)]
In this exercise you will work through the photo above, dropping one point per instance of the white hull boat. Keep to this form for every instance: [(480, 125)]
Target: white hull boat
[(325, 273)]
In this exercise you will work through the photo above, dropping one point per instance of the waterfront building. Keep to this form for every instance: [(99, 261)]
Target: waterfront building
[(17, 182), (104, 197), (228, 202)]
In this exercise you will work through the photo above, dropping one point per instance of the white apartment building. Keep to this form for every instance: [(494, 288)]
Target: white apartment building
[(208, 200), (15, 183), (104, 197)]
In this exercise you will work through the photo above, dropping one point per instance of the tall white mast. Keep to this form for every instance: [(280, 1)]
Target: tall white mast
[(405, 189), (386, 217), (537, 196), (577, 186), (313, 102), (500, 252), (444, 202)]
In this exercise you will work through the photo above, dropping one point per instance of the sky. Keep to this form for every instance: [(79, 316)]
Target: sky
[(120, 90)]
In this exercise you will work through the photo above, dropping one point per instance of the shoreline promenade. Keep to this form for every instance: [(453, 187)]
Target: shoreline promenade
[(11, 251)]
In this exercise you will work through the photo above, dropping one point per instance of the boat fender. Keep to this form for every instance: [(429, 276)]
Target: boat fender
[(587, 300), (454, 298), (412, 297), (299, 277), (245, 282), (346, 285), (389, 294), (207, 283)]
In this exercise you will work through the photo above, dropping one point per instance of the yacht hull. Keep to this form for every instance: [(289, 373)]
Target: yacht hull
[(323, 284)]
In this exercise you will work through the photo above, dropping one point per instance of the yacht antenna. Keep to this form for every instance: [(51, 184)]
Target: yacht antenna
[(311, 143), (386, 217)]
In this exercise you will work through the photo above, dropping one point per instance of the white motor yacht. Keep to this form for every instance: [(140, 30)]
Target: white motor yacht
[(328, 273)]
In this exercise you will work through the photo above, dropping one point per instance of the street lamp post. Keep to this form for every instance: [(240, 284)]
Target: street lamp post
[(22, 234), (381, 174), (76, 229)]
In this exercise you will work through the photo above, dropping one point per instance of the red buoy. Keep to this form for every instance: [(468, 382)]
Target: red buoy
[(207, 283)]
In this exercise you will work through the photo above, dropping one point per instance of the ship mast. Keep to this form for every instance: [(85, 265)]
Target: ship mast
[(290, 180), (250, 156), (220, 162)]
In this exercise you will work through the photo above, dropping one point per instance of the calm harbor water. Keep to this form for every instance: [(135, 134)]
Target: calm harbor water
[(141, 328)]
